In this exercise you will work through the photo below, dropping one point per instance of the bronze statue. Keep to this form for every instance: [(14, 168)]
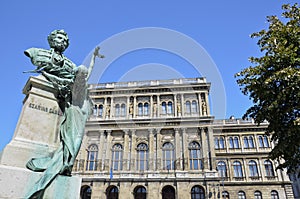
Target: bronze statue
[(73, 100)]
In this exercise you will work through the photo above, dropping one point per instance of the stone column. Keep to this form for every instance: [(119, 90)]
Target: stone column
[(177, 150), (175, 105), (245, 169), (151, 106), (205, 148), (185, 149), (210, 139), (182, 105), (134, 107), (100, 151), (128, 107), (256, 142), (159, 150), (107, 164), (104, 108), (207, 104), (133, 150), (112, 107), (260, 167), (230, 170), (126, 151), (151, 150), (158, 106), (200, 104)]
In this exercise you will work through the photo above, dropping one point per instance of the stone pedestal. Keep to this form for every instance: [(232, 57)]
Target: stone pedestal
[(36, 135), (17, 182)]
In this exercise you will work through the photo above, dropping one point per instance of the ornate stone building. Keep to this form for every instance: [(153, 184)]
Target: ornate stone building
[(157, 139)]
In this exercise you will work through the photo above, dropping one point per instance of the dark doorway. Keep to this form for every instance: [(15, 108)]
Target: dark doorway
[(168, 192), (86, 192), (112, 192), (140, 192)]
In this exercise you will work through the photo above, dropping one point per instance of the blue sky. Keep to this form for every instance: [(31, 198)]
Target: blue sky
[(221, 28)]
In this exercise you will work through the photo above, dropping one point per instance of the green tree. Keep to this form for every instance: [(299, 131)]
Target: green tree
[(273, 84)]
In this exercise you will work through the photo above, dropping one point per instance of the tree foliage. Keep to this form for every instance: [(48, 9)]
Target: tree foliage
[(273, 84)]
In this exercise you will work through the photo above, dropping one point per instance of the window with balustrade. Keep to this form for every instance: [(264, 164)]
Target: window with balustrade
[(253, 171), (269, 168), (222, 169), (237, 169), (195, 156), (117, 157), (92, 156), (142, 157), (168, 156)]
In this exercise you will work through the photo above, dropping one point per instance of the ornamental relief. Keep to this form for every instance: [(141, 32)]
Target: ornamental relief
[(121, 100), (190, 97), (167, 98), (143, 99)]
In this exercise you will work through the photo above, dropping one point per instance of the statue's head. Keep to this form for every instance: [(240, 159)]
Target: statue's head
[(58, 39)]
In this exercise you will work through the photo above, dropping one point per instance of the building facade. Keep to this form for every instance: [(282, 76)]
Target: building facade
[(157, 139)]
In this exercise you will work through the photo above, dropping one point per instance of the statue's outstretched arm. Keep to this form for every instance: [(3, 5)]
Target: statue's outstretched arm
[(92, 63)]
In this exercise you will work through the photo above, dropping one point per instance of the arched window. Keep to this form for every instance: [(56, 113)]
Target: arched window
[(195, 156), (168, 192), (163, 108), (257, 195), (231, 143), (197, 192), (112, 192), (100, 110), (85, 192), (123, 110), (170, 108), (117, 157), (269, 168), (168, 156), (241, 195), (140, 109), (188, 107), (95, 110), (225, 195), (140, 192), (253, 169), (251, 142), (236, 143), (142, 157), (194, 107), (266, 141), (274, 195), (237, 169), (92, 157), (117, 110), (261, 142), (216, 143), (222, 169), (146, 109), (246, 142), (222, 143)]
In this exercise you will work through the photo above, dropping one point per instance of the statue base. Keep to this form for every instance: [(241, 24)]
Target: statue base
[(16, 182), (36, 135)]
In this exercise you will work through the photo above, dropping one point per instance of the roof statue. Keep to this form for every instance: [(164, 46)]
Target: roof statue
[(71, 84)]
